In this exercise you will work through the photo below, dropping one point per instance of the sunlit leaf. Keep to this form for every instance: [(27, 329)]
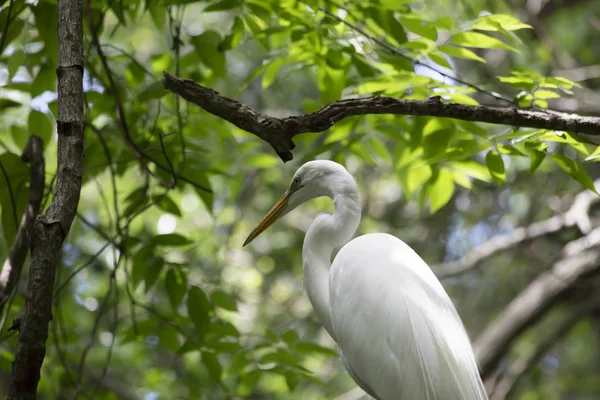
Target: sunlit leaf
[(460, 52), (479, 40), (490, 23), (441, 189)]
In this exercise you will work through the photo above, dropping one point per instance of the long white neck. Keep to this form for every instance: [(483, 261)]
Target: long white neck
[(326, 233)]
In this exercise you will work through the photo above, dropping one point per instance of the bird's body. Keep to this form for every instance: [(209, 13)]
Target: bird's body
[(421, 354), (399, 333)]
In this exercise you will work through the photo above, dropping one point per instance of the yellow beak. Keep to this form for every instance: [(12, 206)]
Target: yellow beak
[(269, 218)]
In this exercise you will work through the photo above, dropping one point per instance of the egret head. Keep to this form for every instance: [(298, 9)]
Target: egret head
[(313, 179)]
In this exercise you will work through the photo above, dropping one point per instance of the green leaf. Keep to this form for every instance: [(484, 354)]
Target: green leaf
[(262, 160), (439, 59), (413, 177), (5, 104), (508, 149), (45, 80), (175, 286), (146, 267), (271, 71), (436, 143), (222, 5), (388, 22), (444, 23), (380, 149), (479, 40), (19, 135), (310, 348), (47, 28), (224, 300), (440, 190), (235, 36), (155, 90), (291, 379), (135, 201), (39, 124), (495, 164), (546, 94), (575, 170), (460, 52), (416, 25), (170, 239), (536, 158), (153, 267), (473, 169), (165, 203), (16, 60), (14, 195), (208, 46), (491, 22), (223, 329), (198, 308), (272, 336), (211, 362), (290, 337), (247, 383)]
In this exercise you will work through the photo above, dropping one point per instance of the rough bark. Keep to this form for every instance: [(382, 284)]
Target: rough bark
[(278, 132), (50, 230), (11, 270)]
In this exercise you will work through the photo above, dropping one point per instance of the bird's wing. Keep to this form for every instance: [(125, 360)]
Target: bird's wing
[(396, 326)]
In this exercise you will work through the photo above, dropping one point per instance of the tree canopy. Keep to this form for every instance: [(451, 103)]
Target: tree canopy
[(471, 128)]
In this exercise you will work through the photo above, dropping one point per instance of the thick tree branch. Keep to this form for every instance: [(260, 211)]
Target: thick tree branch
[(11, 270), (530, 305), (278, 132), (577, 215), (519, 368), (49, 231)]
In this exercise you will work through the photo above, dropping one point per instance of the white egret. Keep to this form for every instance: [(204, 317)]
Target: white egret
[(399, 335)]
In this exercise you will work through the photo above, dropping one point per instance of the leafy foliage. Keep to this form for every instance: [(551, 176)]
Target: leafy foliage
[(153, 282)]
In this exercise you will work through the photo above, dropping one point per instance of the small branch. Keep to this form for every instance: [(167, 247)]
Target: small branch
[(49, 231), (530, 305), (577, 215), (278, 132), (11, 270)]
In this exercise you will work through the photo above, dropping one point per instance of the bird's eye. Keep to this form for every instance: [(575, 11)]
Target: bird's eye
[(296, 181)]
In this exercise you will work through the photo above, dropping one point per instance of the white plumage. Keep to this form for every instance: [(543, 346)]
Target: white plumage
[(398, 331)]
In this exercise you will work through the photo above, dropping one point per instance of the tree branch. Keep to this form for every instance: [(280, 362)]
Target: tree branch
[(577, 215), (517, 369), (278, 132), (530, 305), (49, 231), (11, 270)]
